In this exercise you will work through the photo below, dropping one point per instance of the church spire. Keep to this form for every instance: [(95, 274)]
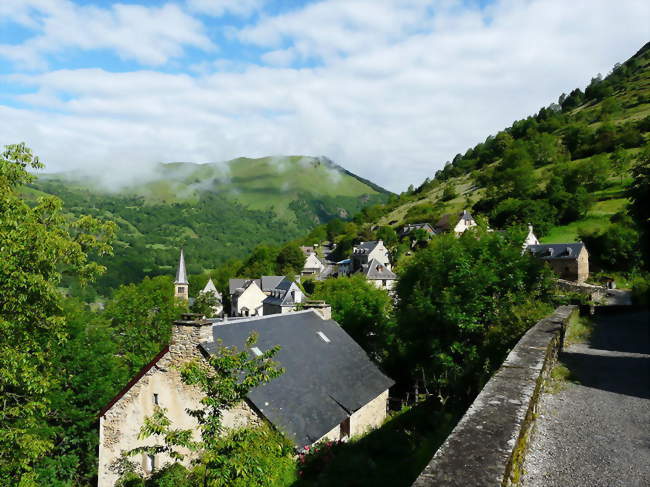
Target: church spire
[(180, 284)]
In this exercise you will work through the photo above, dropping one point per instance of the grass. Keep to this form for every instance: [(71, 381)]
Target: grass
[(558, 379), (578, 331), (391, 456)]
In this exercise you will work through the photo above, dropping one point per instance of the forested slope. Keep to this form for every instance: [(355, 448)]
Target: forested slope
[(215, 211)]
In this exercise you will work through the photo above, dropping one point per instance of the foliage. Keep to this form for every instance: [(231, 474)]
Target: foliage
[(641, 290), (290, 259), (361, 309), (461, 303), (141, 316), (615, 247), (39, 244), (205, 304), (225, 380), (639, 194)]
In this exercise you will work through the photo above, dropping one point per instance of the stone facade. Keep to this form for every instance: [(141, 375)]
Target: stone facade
[(120, 424), (572, 270)]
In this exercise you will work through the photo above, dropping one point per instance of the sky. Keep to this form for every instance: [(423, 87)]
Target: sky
[(389, 89)]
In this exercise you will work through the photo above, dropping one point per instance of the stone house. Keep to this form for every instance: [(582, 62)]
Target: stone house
[(283, 299), (379, 275), (569, 261), (330, 389), (411, 227), (364, 252), (458, 222)]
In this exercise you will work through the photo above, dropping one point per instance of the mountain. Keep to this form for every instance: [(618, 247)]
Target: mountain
[(214, 211), (564, 169)]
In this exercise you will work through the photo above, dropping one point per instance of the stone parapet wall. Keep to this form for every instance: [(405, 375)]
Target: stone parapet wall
[(488, 445)]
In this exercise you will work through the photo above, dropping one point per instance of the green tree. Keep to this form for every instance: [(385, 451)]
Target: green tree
[(461, 303), (639, 194), (290, 259), (141, 316), (361, 309), (38, 245), (620, 160), (205, 304), (226, 379)]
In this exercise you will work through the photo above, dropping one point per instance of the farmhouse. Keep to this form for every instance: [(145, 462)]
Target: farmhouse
[(379, 275), (457, 223), (313, 266), (330, 389), (283, 299), (364, 252), (569, 261), (247, 298)]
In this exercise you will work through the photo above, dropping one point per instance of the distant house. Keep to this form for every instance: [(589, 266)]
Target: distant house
[(211, 288), (411, 227), (330, 388), (456, 222), (246, 297), (379, 275), (344, 267), (530, 239), (569, 261), (283, 299), (313, 266), (364, 252)]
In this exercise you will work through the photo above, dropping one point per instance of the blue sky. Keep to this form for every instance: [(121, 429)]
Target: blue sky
[(390, 89)]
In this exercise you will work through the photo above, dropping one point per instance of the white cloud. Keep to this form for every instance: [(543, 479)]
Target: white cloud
[(217, 8), (149, 35), (392, 96)]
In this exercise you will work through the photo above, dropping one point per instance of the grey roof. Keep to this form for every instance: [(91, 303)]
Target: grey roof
[(237, 283), (376, 270), (285, 298), (447, 223), (323, 383), (556, 251), (366, 247), (181, 274), (406, 229), (271, 282)]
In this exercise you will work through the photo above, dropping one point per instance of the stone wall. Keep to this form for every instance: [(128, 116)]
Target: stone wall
[(488, 445), (120, 424), (372, 415)]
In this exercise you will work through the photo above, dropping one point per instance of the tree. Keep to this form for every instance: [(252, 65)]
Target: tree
[(205, 304), (639, 194), (361, 309), (226, 379), (462, 302), (141, 316), (449, 192), (39, 244), (290, 259), (619, 162)]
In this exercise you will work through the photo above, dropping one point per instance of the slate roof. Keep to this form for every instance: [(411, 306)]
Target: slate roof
[(406, 229), (449, 221), (285, 298), (323, 382), (375, 270), (234, 284), (556, 251), (271, 282), (365, 247)]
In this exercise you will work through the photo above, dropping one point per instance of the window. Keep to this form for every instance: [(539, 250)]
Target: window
[(323, 337), (155, 399), (150, 463), (344, 428), (256, 351), (383, 282), (181, 289)]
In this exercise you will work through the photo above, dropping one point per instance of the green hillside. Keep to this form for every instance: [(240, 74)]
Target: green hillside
[(215, 211), (565, 169)]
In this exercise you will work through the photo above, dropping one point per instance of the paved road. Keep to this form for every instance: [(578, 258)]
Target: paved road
[(597, 433)]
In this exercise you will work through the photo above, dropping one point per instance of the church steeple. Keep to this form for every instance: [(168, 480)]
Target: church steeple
[(181, 286)]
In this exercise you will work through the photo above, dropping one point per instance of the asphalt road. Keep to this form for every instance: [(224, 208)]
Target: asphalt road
[(597, 432)]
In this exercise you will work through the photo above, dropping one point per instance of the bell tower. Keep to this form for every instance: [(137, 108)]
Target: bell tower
[(181, 286)]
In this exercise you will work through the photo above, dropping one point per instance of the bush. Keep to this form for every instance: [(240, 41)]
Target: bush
[(641, 291), (173, 475)]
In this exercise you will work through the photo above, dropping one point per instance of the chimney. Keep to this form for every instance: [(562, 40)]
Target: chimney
[(324, 309), (187, 334)]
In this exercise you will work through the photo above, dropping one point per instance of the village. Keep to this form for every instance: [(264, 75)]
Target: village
[(331, 390)]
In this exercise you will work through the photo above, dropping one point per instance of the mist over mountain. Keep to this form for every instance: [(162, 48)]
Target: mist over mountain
[(214, 211)]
